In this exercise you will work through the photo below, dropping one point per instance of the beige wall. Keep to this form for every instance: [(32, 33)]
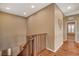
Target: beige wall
[(46, 21), (13, 29), (42, 22), (12, 32)]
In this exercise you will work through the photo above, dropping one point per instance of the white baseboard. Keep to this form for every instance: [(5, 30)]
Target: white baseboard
[(65, 40), (77, 41), (58, 47), (50, 49), (55, 49)]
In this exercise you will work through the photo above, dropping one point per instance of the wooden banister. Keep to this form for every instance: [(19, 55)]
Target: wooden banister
[(35, 44), (36, 34), (27, 49)]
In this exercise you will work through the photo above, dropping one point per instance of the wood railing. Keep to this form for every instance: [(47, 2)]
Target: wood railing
[(39, 42), (27, 49), (35, 44)]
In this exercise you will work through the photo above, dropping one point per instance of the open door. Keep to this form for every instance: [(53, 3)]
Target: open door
[(71, 31)]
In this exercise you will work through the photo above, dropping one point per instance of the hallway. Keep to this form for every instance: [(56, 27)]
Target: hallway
[(69, 48), (35, 27)]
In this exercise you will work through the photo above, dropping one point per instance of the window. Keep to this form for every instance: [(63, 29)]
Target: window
[(71, 28)]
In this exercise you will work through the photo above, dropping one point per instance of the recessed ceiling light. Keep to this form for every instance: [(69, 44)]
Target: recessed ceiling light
[(33, 6), (24, 13), (7, 8), (69, 7)]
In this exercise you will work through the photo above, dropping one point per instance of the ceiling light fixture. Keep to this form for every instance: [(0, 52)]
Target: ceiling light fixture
[(33, 6), (24, 13), (7, 8), (69, 7)]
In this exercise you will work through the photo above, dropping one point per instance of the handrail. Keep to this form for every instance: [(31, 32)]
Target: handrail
[(27, 44), (26, 48), (36, 34)]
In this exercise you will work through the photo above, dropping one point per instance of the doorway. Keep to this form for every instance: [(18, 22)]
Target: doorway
[(71, 31)]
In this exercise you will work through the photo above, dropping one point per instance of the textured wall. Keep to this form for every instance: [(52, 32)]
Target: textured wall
[(12, 32), (58, 28), (65, 28)]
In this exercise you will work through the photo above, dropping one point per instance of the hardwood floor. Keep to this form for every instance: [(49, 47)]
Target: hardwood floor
[(69, 48)]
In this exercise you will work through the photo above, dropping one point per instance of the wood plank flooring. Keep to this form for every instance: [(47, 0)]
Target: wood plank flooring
[(69, 48)]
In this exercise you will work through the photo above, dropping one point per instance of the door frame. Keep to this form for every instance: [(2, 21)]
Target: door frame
[(75, 29)]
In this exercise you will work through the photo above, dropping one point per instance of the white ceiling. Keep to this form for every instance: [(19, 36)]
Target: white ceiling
[(21, 8), (72, 11)]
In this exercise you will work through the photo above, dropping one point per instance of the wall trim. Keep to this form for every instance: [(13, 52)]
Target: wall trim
[(74, 20), (77, 41), (55, 49), (58, 47), (65, 40), (50, 50)]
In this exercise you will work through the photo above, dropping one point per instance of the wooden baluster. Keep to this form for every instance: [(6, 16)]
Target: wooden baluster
[(38, 43), (31, 47), (43, 41), (35, 46), (27, 50)]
